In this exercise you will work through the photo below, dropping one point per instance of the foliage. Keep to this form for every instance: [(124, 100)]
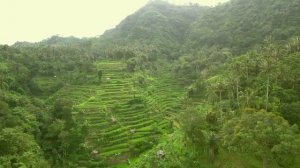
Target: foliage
[(265, 134), (19, 149), (241, 25)]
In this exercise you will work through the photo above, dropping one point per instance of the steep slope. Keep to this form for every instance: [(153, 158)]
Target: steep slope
[(157, 26), (241, 24)]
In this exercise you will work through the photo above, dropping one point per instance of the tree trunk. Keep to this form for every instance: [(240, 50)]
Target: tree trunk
[(264, 161), (267, 95), (237, 94), (211, 154), (247, 97), (220, 96)]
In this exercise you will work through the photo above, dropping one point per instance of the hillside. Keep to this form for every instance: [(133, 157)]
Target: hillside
[(157, 27), (241, 25)]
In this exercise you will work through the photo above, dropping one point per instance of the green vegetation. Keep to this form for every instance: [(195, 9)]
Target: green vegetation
[(171, 86)]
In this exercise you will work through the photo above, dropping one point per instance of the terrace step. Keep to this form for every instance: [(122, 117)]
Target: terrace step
[(135, 122)]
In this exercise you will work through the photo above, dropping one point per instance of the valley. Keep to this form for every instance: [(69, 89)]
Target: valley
[(170, 86)]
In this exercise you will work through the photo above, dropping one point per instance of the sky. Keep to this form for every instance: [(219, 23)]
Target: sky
[(35, 20)]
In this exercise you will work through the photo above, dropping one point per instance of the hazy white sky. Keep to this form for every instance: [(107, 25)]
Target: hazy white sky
[(34, 20)]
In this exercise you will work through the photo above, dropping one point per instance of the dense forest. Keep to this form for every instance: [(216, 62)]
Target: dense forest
[(169, 87)]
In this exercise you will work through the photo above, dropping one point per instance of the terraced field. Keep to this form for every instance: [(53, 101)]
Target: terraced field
[(123, 124)]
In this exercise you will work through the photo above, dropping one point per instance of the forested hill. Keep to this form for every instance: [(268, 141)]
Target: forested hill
[(54, 40), (155, 21), (157, 26), (242, 24)]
